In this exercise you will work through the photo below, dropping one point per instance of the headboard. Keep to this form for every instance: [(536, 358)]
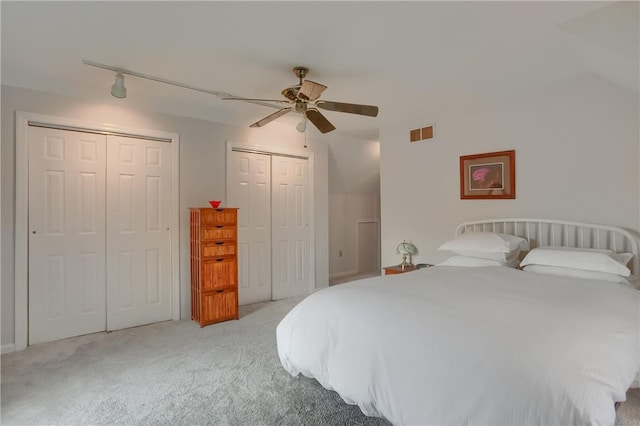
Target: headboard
[(558, 233)]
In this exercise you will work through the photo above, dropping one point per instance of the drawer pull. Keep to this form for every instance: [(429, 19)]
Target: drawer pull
[(219, 243), (219, 210), (219, 226), (219, 260), (219, 291)]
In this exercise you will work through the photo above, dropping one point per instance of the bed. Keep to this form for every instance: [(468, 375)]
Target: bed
[(493, 345)]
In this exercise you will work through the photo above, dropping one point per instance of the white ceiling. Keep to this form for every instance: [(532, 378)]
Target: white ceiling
[(409, 58)]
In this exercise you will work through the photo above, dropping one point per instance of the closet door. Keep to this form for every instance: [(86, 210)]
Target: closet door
[(138, 228), (66, 234), (249, 177), (290, 227)]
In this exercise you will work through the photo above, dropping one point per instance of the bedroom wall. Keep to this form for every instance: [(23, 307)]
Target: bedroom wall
[(354, 194), (202, 172), (577, 158)]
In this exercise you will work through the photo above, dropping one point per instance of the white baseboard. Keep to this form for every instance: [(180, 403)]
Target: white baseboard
[(342, 274), (5, 349)]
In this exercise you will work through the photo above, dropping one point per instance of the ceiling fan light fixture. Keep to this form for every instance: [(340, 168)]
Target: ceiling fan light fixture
[(302, 125), (118, 90)]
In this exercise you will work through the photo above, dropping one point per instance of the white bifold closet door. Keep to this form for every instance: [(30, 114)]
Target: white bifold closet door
[(272, 195), (250, 175), (290, 229), (67, 239), (99, 238), (138, 232)]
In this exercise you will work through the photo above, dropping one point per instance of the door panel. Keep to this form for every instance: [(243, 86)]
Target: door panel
[(290, 234), (66, 234), (249, 177), (138, 226)]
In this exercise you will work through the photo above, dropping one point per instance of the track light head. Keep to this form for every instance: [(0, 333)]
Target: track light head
[(118, 90)]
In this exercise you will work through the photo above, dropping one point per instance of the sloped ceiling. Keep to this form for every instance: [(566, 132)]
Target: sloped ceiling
[(606, 39), (354, 167), (410, 58)]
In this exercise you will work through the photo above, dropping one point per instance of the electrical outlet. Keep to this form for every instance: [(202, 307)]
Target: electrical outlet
[(340, 253)]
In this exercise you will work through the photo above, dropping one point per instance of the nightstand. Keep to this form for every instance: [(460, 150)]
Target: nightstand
[(396, 269)]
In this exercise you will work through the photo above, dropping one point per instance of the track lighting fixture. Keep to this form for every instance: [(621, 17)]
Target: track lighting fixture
[(118, 90)]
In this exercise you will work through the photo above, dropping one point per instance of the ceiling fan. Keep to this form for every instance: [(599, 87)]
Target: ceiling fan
[(303, 98)]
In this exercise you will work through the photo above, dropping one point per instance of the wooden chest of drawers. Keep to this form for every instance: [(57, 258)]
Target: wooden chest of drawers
[(214, 265)]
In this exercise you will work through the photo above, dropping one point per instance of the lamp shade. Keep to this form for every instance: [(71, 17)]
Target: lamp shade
[(302, 125), (406, 248), (118, 90)]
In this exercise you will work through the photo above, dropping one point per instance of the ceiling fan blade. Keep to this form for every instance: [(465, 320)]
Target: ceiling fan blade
[(319, 121), (369, 110), (256, 100), (310, 90), (269, 118)]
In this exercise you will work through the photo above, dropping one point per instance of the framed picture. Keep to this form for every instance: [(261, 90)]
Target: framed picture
[(488, 176)]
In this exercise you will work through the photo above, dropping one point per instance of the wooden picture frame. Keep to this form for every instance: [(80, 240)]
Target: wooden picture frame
[(488, 176)]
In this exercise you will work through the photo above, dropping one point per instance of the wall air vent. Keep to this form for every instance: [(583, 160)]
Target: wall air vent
[(427, 132)]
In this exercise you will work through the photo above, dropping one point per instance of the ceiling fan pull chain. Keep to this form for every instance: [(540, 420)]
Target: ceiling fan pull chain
[(305, 139)]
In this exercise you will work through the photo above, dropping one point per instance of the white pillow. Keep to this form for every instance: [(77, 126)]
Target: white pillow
[(471, 262), (578, 273), (586, 259), (486, 242), (512, 259)]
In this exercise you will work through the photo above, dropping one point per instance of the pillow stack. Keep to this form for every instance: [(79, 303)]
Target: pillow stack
[(582, 263), (485, 249), (495, 249)]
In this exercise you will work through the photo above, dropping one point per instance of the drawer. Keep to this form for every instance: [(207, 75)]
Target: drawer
[(218, 248), (218, 232), (219, 305), (217, 216), (217, 273)]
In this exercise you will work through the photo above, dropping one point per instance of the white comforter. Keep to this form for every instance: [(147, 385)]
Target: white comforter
[(482, 346)]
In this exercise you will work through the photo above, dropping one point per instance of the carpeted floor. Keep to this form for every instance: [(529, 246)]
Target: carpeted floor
[(169, 373), (177, 373)]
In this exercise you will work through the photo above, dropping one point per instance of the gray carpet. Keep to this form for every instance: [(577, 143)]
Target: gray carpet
[(170, 373), (178, 373)]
